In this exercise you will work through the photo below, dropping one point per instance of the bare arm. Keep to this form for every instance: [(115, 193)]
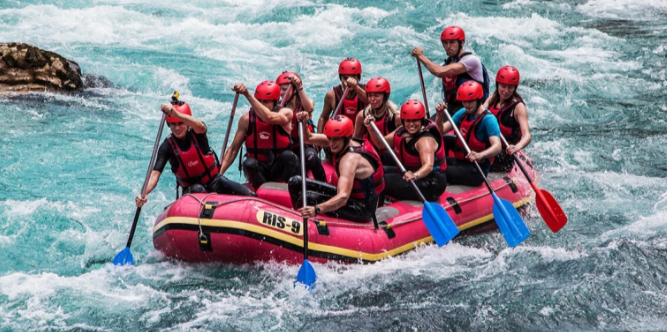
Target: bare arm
[(492, 151), (279, 118), (353, 84), (373, 135), (152, 182), (233, 150), (426, 148), (196, 125), (436, 69), (329, 100), (359, 125), (310, 137), (521, 116)]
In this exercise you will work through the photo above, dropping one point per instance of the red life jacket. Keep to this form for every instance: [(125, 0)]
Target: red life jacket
[(370, 187), (350, 106), (450, 84), (263, 138), (193, 165), (509, 127), (386, 124), (295, 127), (408, 154), (467, 129)]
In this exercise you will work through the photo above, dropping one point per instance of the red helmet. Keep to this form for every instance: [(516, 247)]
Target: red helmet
[(284, 78), (453, 33), (180, 107), (413, 109), (377, 85), (339, 126), (349, 66), (508, 75), (267, 90), (470, 90)]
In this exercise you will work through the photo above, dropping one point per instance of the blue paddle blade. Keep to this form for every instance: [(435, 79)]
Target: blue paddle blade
[(306, 275), (439, 223), (124, 257), (509, 222)]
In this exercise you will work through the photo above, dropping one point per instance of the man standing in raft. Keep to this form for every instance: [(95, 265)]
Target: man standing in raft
[(349, 73), (418, 145), (265, 131), (458, 68), (297, 102), (191, 158), (360, 176), (479, 128), (510, 111)]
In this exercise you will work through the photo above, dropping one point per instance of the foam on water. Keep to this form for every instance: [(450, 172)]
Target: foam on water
[(74, 164)]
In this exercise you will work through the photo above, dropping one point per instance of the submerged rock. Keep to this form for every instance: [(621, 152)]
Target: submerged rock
[(25, 68)]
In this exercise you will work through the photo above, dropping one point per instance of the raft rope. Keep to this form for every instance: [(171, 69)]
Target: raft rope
[(345, 224), (201, 206)]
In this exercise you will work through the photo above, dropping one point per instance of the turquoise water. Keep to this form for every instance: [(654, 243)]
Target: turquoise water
[(593, 74)]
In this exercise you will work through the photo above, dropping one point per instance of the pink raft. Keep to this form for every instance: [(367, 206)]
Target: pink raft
[(233, 229)]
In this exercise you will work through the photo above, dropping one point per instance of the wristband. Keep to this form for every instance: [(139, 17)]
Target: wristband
[(317, 210), (416, 176)]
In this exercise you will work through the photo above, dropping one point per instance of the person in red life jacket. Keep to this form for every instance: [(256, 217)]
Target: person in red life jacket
[(510, 110), (459, 67), (349, 73), (297, 102), (385, 114), (418, 145), (360, 176), (479, 128), (191, 158), (265, 130)]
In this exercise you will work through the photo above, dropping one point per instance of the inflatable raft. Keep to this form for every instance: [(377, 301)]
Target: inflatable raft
[(233, 229)]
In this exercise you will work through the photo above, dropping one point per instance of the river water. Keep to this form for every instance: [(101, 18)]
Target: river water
[(593, 76)]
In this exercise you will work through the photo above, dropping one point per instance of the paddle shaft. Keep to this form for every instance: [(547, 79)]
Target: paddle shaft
[(421, 80), (342, 101), (465, 145), (398, 162), (148, 175), (303, 189), (289, 90), (229, 127), (481, 173)]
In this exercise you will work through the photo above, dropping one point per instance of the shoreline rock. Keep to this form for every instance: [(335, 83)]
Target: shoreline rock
[(25, 68)]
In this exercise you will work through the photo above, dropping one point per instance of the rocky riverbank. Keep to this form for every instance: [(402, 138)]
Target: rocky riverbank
[(25, 68)]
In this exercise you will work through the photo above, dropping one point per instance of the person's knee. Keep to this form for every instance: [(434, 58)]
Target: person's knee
[(294, 181), (194, 189), (312, 159), (250, 164)]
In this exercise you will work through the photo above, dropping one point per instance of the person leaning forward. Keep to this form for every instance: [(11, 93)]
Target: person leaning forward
[(265, 130), (419, 147), (191, 158), (360, 176)]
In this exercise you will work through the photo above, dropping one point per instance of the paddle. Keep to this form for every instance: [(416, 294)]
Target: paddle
[(342, 101), (229, 127), (124, 257), (507, 217), (437, 220), (421, 80), (549, 209), (306, 273)]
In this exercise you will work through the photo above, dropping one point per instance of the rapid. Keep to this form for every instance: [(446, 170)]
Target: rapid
[(593, 76)]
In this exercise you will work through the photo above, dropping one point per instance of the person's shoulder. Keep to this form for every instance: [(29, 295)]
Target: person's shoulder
[(471, 57)]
